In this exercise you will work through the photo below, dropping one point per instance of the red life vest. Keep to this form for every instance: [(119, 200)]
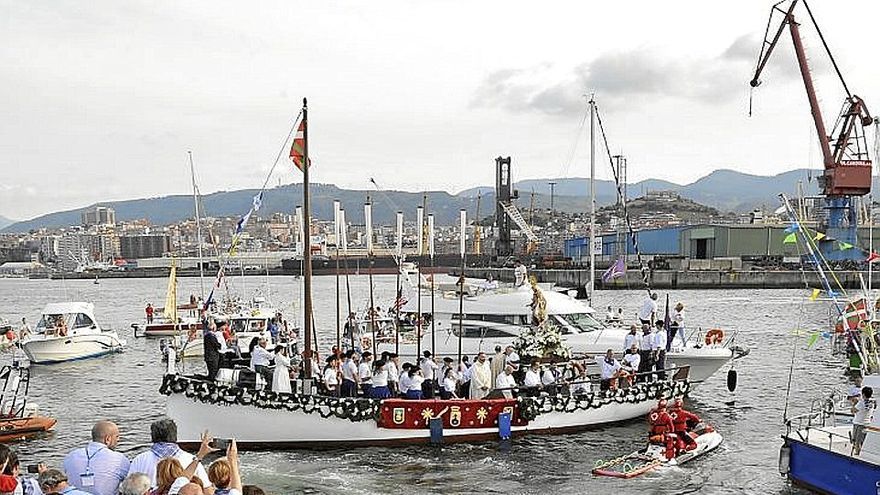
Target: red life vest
[(661, 423), (680, 419)]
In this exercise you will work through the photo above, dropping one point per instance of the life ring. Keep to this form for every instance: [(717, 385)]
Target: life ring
[(714, 336)]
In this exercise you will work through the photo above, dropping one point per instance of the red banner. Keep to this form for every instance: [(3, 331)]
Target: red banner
[(456, 414)]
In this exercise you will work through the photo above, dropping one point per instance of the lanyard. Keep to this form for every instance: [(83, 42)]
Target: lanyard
[(90, 457)]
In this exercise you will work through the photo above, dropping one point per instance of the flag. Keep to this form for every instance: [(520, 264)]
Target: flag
[(400, 301), (616, 270), (811, 341), (258, 201), (299, 144), (873, 257), (815, 294), (844, 245), (819, 236), (855, 312), (790, 239), (794, 227)]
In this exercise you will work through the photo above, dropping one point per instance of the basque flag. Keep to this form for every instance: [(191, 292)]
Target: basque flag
[(299, 144)]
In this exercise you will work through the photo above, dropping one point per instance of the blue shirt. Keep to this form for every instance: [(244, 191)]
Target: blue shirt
[(71, 490), (108, 466)]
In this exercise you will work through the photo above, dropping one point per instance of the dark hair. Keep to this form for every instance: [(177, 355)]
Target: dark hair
[(252, 490), (867, 392), (5, 452), (349, 353), (405, 366), (427, 354), (12, 462), (497, 348), (254, 342), (378, 364), (392, 355), (279, 348), (164, 431), (366, 354), (51, 478), (448, 371)]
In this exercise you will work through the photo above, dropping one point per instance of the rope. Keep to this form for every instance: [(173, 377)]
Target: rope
[(632, 234)]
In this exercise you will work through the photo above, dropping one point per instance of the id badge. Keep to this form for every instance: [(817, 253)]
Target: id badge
[(87, 479)]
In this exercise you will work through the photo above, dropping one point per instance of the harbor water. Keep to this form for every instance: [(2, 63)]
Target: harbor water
[(124, 389)]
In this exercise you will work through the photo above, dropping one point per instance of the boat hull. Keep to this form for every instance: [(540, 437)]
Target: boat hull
[(826, 471), (271, 425), (61, 349), (12, 429)]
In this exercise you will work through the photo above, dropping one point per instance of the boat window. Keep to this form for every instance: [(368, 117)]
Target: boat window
[(47, 321), (581, 321), (82, 320), (472, 332)]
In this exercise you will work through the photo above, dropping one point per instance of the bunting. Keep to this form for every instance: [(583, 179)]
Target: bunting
[(815, 294), (819, 236), (794, 227), (790, 239), (873, 257), (844, 245)]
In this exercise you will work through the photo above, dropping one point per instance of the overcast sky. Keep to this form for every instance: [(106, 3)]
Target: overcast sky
[(101, 99)]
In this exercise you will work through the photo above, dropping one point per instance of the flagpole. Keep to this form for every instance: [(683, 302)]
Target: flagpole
[(338, 310), (592, 198), (307, 252), (431, 253), (420, 219), (348, 317), (398, 302), (368, 218), (462, 225)]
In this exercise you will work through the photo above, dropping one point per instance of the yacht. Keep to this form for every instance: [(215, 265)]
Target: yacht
[(497, 315), (68, 331)]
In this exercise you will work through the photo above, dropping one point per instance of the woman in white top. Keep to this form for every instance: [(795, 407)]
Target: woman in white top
[(281, 376), (331, 380), (450, 383), (380, 389), (415, 383)]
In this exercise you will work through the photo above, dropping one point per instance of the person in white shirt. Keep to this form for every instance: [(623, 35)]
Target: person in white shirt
[(646, 354), (164, 436), (350, 374), (581, 383), (404, 380), (393, 373), (331, 376), (632, 360), (450, 385), (648, 311), (609, 316), (631, 338), (659, 348), (416, 380), (281, 376), (464, 377), (611, 371), (676, 325), (261, 358), (380, 390), (429, 373), (511, 357), (505, 382), (532, 381), (863, 416), (520, 273), (550, 379), (365, 373), (481, 377)]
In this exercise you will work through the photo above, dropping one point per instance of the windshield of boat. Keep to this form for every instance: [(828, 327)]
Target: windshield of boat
[(48, 321), (581, 321)]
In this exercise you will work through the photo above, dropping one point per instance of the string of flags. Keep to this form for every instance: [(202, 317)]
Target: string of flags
[(794, 228)]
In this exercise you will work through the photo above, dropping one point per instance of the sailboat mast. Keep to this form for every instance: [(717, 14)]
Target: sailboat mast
[(592, 198), (307, 250), (192, 172)]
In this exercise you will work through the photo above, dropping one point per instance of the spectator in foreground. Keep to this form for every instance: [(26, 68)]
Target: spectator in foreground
[(135, 484), (164, 436), (97, 463), (54, 482), (224, 473), (26, 484)]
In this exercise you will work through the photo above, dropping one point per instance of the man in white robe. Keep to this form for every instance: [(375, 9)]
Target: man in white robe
[(481, 377)]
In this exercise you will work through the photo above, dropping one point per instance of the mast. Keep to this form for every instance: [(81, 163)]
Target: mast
[(420, 219), (192, 172), (592, 198), (368, 219), (462, 226), (399, 296), (431, 254), (337, 240), (307, 250)]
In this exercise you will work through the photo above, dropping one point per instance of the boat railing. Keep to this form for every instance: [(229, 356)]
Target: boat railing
[(822, 414), (678, 374)]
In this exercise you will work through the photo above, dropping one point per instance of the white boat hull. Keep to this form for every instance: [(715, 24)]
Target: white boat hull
[(261, 427), (60, 349)]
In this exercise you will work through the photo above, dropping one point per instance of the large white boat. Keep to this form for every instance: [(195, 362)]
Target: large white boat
[(260, 419), (497, 315), (69, 331)]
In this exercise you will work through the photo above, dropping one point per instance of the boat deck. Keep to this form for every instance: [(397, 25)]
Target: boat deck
[(837, 439)]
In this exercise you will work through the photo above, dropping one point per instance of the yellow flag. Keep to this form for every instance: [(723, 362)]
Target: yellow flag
[(815, 294), (819, 236)]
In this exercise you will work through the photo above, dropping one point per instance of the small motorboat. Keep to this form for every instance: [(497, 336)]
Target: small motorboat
[(654, 456), (69, 331), (18, 418)]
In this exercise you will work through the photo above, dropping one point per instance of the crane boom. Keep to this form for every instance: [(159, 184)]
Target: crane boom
[(845, 158)]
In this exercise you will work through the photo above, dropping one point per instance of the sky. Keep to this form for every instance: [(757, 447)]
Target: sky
[(102, 99)]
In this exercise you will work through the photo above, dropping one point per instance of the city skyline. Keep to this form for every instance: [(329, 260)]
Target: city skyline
[(138, 85)]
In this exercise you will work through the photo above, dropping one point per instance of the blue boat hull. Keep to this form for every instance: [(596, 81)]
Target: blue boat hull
[(828, 472)]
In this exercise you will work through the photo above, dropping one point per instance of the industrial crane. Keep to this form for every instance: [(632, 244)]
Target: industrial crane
[(845, 157)]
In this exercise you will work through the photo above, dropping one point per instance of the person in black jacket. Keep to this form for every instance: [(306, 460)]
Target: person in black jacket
[(212, 350)]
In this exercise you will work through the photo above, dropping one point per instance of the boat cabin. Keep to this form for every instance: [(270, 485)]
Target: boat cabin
[(70, 318)]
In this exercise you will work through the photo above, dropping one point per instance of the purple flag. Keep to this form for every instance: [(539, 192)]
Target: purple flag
[(617, 270)]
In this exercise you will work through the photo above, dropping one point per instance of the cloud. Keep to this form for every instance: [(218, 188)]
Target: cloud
[(635, 76)]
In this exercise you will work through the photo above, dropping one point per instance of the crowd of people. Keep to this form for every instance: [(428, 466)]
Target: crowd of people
[(97, 468)]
